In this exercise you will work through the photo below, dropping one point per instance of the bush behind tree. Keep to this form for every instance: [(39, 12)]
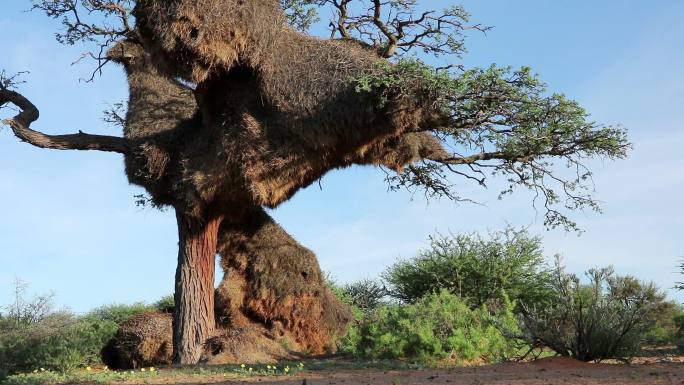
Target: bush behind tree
[(475, 268), (669, 326), (366, 294)]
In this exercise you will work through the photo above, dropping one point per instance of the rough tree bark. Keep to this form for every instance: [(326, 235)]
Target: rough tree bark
[(193, 318)]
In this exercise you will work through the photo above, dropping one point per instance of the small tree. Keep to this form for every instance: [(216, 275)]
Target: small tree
[(475, 268), (680, 285), (365, 294), (608, 317)]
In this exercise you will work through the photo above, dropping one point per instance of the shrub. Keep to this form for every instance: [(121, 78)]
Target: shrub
[(26, 346), (166, 304), (365, 294), (119, 313), (438, 326), (669, 326), (348, 343), (32, 335), (476, 269), (609, 317)]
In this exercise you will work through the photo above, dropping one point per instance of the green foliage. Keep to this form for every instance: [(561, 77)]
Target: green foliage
[(365, 294), (680, 285), (502, 122), (669, 326), (300, 14), (32, 336), (476, 269), (118, 313), (608, 317), (438, 326), (166, 304), (348, 343)]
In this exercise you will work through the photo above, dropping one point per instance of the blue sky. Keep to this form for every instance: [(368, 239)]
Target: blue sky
[(68, 222)]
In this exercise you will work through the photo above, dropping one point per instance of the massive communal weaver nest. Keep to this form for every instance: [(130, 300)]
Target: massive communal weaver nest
[(282, 105), (277, 110), (273, 292)]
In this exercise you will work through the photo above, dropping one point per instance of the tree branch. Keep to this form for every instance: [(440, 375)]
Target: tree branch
[(100, 23), (397, 27), (28, 114)]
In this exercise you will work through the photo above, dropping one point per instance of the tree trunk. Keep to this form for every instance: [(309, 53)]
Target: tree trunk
[(193, 319)]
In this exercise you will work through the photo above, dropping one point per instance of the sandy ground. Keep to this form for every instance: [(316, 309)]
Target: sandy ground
[(542, 372)]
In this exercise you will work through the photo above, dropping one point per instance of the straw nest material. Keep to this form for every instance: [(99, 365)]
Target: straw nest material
[(146, 341), (279, 108), (143, 341), (272, 280)]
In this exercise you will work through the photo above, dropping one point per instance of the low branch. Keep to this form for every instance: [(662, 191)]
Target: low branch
[(28, 114)]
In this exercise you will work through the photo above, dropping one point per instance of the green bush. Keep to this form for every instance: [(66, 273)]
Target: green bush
[(119, 313), (438, 326), (669, 326), (166, 304), (608, 317), (476, 269), (365, 294), (34, 336), (348, 343)]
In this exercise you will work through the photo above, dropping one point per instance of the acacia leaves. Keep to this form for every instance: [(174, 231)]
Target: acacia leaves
[(300, 14), (500, 121)]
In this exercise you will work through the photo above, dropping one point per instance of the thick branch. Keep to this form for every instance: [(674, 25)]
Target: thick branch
[(500, 155), (20, 125)]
